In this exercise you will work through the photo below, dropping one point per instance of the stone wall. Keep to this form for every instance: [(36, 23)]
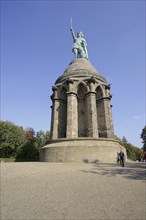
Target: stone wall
[(82, 150)]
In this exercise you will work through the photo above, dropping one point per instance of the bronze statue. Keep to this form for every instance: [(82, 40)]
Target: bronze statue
[(79, 46)]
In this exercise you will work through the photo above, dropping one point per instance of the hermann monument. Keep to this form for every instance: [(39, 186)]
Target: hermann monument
[(81, 121)]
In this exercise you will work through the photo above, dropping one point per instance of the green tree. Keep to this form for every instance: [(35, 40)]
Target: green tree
[(46, 137), (133, 152), (42, 138), (29, 151), (12, 138), (40, 142), (143, 136), (23, 144), (30, 134), (124, 140)]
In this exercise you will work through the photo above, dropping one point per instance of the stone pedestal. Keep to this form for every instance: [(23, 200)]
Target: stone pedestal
[(81, 150)]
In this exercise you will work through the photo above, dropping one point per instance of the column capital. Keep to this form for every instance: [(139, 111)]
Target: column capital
[(69, 80), (104, 98), (91, 80), (54, 88), (90, 92), (108, 86), (71, 93), (54, 95)]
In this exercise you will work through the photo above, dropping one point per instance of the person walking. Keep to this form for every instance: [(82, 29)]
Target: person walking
[(122, 158)]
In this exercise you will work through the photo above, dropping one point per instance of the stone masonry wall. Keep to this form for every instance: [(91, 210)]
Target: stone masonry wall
[(85, 112)]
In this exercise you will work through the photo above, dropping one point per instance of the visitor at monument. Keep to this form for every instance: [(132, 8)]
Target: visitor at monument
[(144, 157), (122, 158), (118, 158)]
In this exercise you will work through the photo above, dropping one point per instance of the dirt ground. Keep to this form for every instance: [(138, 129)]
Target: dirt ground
[(72, 191)]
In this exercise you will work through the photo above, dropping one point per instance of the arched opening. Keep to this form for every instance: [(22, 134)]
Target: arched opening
[(62, 114), (81, 91)]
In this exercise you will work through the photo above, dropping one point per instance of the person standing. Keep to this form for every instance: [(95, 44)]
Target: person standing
[(122, 158)]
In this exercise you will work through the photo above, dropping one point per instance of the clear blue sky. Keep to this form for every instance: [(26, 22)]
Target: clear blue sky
[(36, 48)]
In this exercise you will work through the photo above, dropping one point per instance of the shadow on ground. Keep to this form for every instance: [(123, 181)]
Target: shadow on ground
[(131, 171)]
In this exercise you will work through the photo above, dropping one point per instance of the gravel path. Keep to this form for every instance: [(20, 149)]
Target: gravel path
[(73, 191)]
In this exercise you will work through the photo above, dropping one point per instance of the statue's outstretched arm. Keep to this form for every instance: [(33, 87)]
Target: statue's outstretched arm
[(72, 31), (73, 34)]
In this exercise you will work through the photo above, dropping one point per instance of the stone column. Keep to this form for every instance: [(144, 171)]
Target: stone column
[(108, 118), (54, 118), (51, 127), (109, 131), (72, 119), (91, 110)]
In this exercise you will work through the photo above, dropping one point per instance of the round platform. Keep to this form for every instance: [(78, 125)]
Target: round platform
[(81, 150)]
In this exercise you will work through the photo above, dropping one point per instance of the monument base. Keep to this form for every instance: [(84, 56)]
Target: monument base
[(81, 150)]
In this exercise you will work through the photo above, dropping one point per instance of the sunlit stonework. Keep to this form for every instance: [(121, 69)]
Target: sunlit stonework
[(81, 121)]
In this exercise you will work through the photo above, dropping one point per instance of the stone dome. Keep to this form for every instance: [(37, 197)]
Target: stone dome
[(80, 68)]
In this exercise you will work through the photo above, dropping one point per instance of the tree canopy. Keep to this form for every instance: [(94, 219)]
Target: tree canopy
[(12, 138), (23, 144)]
